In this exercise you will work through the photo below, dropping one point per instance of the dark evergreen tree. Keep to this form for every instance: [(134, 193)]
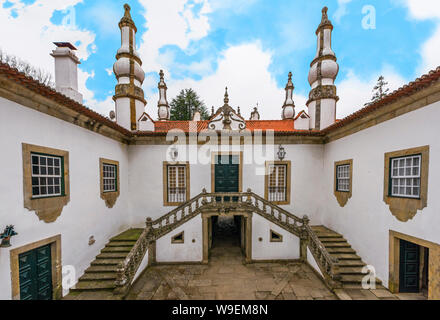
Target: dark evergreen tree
[(186, 104)]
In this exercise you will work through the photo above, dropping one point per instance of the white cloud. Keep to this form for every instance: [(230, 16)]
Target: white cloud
[(424, 9), (341, 11), (30, 34), (430, 50), (354, 91), (175, 23), (33, 34), (244, 70)]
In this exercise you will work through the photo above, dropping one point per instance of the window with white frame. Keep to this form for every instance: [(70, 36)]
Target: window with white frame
[(109, 177), (176, 183), (47, 176), (277, 188), (405, 176), (343, 178)]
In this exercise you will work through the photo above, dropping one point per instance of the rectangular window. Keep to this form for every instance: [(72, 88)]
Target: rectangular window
[(109, 177), (343, 178), (47, 176), (277, 183), (405, 176), (176, 183)]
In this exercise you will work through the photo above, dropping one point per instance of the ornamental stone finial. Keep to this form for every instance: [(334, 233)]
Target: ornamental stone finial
[(226, 96), (289, 105), (162, 104)]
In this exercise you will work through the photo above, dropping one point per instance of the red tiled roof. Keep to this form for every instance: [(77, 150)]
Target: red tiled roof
[(407, 90), (279, 126), (37, 87), (276, 125)]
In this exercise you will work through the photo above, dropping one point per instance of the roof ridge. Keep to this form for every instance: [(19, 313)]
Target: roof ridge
[(407, 89), (37, 86)]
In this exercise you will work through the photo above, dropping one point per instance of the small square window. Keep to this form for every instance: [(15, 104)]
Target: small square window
[(43, 176), (405, 176)]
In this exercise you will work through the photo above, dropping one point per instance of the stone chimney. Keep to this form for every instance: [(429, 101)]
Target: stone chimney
[(66, 70)]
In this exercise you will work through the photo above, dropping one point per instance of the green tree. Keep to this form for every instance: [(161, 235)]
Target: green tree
[(380, 90), (186, 104)]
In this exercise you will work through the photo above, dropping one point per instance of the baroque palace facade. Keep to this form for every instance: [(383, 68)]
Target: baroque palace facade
[(72, 180)]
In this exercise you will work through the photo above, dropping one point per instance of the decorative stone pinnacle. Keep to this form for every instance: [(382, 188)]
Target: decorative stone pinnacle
[(127, 11), (289, 82), (212, 111), (238, 110), (161, 74), (126, 19), (325, 22), (226, 96)]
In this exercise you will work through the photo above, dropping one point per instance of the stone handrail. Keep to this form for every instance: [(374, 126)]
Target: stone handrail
[(223, 203), (328, 264), (127, 269)]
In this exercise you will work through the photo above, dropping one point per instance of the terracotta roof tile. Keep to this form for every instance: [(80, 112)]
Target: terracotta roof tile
[(407, 90), (279, 126), (34, 85)]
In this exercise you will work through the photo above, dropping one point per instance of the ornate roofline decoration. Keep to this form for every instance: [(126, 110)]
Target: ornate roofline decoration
[(28, 92), (227, 116)]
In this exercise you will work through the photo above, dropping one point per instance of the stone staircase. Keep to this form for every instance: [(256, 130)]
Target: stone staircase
[(101, 274), (350, 264)]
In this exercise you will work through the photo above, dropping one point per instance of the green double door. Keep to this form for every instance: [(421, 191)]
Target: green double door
[(227, 175), (35, 271), (409, 267)]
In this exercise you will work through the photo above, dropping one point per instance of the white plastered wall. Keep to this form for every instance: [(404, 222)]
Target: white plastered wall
[(189, 251), (85, 215), (288, 249), (366, 220)]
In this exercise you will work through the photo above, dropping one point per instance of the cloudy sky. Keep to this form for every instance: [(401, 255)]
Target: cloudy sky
[(247, 45)]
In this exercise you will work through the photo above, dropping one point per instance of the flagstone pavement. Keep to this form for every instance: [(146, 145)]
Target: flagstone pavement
[(226, 277)]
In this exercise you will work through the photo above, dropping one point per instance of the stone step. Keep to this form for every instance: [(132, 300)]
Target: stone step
[(129, 235), (120, 244), (111, 255), (94, 285), (346, 256), (88, 276), (355, 278), (337, 244), (350, 270), (341, 250), (353, 286), (328, 235), (101, 268), (116, 249), (107, 262), (332, 240), (351, 263)]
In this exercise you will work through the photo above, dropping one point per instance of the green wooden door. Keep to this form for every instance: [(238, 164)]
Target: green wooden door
[(35, 272), (227, 174), (409, 267)]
